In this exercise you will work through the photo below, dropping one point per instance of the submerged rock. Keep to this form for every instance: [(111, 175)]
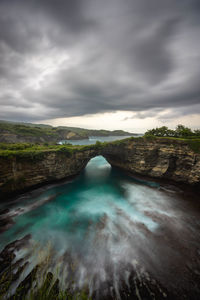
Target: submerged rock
[(25, 286), (54, 291)]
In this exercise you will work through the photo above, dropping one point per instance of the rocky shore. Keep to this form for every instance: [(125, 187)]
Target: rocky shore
[(14, 271)]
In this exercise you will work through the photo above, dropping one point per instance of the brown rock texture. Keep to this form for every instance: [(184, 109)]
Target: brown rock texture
[(157, 158), (19, 174)]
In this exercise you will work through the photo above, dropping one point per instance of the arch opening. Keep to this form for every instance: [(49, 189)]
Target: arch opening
[(97, 169)]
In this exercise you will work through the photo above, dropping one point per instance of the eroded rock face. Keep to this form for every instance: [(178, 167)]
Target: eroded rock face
[(159, 158), (18, 174)]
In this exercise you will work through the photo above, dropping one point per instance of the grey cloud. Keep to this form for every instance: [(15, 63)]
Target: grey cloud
[(152, 53), (70, 14), (144, 114), (141, 56)]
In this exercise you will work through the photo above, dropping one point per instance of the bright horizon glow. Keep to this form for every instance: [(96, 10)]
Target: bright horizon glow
[(125, 120)]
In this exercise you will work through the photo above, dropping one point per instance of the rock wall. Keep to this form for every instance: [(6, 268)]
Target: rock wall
[(19, 174), (159, 158)]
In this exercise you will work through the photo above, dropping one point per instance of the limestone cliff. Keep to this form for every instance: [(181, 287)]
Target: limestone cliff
[(18, 174), (158, 158)]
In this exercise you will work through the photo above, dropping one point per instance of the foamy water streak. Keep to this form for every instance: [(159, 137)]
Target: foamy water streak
[(102, 226)]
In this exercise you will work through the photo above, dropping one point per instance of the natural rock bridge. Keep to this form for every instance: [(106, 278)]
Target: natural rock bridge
[(158, 158)]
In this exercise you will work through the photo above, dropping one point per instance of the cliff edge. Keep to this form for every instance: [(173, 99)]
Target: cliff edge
[(157, 157)]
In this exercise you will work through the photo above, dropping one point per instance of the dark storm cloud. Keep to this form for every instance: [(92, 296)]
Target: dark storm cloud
[(152, 53), (71, 58)]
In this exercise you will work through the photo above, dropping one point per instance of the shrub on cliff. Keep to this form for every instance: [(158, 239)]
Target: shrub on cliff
[(181, 131), (67, 151), (98, 145)]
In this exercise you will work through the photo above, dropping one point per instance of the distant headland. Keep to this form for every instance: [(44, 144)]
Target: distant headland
[(14, 132)]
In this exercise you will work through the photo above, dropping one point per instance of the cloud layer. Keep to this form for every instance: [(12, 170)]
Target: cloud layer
[(70, 58)]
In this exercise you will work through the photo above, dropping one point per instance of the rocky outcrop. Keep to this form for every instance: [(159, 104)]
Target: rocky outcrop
[(12, 138), (19, 174), (158, 158), (9, 137)]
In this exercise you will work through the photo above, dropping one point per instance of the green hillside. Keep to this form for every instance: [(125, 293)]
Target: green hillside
[(13, 132)]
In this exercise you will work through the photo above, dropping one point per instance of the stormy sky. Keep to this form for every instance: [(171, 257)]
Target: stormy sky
[(130, 64)]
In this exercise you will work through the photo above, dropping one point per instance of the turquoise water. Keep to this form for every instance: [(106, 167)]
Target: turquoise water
[(92, 140), (64, 213), (98, 222)]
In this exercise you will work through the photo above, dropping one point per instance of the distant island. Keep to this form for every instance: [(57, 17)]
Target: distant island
[(16, 132)]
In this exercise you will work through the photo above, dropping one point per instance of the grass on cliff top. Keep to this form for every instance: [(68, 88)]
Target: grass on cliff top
[(193, 143), (38, 151)]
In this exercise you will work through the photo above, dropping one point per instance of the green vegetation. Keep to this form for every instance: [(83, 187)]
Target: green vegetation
[(37, 152), (93, 132), (47, 288), (49, 134), (194, 145), (180, 132), (20, 129), (40, 283)]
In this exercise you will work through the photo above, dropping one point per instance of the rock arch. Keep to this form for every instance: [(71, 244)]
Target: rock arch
[(158, 158)]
